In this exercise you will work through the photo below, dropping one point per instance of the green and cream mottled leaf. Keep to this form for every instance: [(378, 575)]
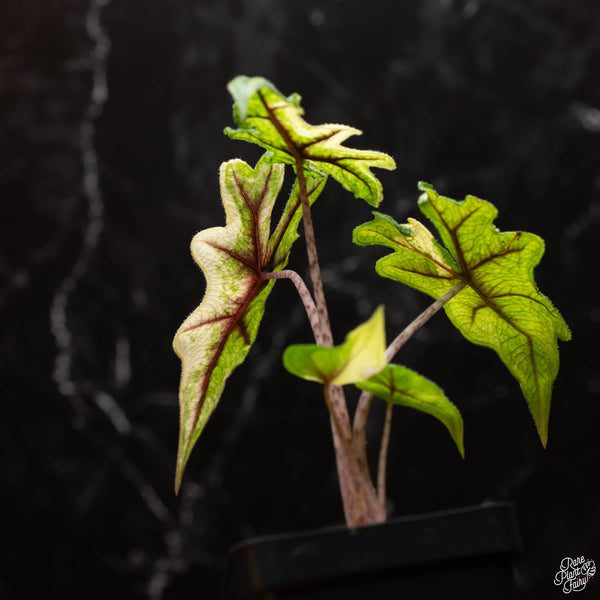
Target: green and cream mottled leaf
[(218, 335), (360, 356), (266, 117), (500, 306), (399, 385)]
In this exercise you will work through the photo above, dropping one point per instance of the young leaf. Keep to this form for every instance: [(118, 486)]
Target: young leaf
[(218, 335), (500, 306), (360, 356), (267, 118), (399, 385)]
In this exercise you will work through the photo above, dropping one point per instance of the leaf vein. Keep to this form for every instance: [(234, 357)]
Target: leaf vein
[(233, 255), (217, 353)]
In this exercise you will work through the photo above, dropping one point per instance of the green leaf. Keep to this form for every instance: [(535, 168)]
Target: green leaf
[(399, 385), (500, 306), (360, 356), (218, 335), (268, 118)]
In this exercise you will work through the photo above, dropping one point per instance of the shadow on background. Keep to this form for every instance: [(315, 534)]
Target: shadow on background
[(111, 137)]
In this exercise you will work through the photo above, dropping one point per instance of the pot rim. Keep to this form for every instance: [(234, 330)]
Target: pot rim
[(280, 560)]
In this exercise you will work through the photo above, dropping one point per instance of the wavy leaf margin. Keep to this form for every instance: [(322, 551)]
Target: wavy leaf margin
[(500, 306)]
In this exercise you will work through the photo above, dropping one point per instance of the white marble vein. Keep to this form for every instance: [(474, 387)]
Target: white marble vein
[(63, 337)]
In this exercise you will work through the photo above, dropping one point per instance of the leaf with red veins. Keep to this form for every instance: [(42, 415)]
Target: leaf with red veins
[(266, 117), (500, 306), (218, 335)]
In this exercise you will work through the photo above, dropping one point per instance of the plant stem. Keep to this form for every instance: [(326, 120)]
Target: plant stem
[(415, 325), (325, 336), (357, 504), (383, 454), (359, 498), (342, 435), (307, 299), (361, 414), (362, 410)]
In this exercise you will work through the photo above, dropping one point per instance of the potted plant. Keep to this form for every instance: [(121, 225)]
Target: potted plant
[(483, 278)]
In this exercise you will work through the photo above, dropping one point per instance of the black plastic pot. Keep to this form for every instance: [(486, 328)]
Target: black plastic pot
[(454, 555)]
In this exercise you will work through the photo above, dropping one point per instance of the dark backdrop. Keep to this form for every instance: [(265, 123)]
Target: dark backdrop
[(111, 122)]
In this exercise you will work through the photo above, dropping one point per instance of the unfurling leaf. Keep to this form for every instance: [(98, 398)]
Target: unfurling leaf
[(500, 306), (360, 356), (218, 335), (267, 118), (399, 385)]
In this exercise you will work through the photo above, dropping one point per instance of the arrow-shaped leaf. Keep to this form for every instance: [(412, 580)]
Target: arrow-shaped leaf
[(361, 355), (267, 118), (500, 306), (218, 335), (399, 385)]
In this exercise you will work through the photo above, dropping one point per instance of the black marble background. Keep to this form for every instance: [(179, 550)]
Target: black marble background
[(111, 122)]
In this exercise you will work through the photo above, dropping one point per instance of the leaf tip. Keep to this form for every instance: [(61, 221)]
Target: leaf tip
[(242, 88), (404, 230), (428, 192), (457, 433), (541, 424), (182, 459)]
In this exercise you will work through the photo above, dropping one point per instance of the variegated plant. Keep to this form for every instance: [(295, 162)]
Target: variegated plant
[(483, 278)]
